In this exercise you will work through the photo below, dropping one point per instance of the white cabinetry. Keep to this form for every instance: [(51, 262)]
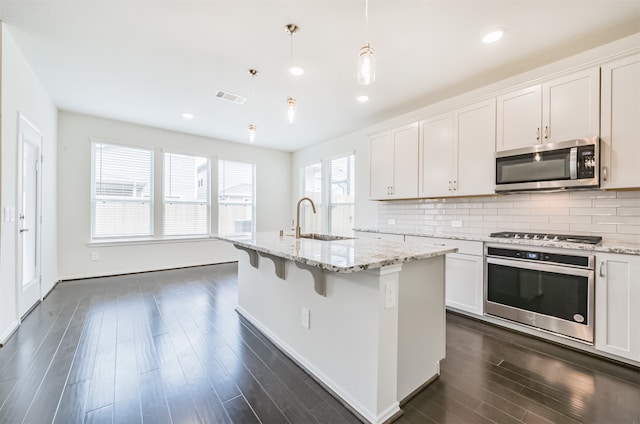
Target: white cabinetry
[(561, 109), (464, 279), (618, 305), (620, 123), (394, 164), (456, 152)]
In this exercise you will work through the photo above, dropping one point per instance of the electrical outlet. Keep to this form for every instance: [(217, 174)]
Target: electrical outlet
[(389, 295), (305, 318), (95, 256), (391, 221), (456, 224)]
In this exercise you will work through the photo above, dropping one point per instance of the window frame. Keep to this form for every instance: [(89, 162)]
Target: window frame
[(254, 203), (325, 205), (93, 200), (210, 213)]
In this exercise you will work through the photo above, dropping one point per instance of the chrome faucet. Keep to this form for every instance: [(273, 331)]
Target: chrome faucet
[(298, 214)]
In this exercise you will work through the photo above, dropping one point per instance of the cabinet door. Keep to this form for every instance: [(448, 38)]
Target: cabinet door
[(621, 123), (618, 305), (464, 282), (405, 160), (436, 151), (381, 166), (571, 107), (519, 118), (474, 162)]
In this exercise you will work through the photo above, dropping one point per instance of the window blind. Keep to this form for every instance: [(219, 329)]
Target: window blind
[(236, 199), (122, 191), (186, 206)]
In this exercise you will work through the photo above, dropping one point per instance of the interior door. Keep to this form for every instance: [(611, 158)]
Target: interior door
[(29, 212)]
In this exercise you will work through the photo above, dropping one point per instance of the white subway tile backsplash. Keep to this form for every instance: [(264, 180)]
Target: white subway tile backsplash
[(586, 219), (613, 215), (592, 211), (550, 211), (629, 229), (592, 228), (618, 202), (629, 211)]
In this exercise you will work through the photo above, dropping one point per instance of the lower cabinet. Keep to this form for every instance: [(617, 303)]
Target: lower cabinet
[(618, 305), (463, 273)]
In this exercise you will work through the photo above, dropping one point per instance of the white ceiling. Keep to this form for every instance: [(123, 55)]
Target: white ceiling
[(148, 61)]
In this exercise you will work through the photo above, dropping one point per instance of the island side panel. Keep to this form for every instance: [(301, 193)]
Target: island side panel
[(350, 330), (421, 323)]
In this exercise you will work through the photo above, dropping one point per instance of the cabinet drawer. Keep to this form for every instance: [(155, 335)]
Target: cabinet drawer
[(465, 247)]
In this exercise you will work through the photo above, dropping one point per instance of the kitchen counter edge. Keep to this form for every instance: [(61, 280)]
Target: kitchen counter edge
[(374, 257), (604, 246)]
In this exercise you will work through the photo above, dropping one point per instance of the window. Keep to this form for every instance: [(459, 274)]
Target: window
[(236, 199), (331, 183), (312, 188), (187, 208), (341, 195), (121, 191)]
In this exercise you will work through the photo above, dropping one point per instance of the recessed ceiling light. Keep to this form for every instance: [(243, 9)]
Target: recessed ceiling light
[(493, 36), (187, 115), (296, 71), (362, 99)]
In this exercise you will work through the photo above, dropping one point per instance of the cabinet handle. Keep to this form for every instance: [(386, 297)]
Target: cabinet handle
[(455, 185), (602, 269), (538, 133), (605, 173), (449, 185), (546, 131)]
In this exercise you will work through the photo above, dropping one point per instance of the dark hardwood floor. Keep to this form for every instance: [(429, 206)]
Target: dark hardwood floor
[(168, 347)]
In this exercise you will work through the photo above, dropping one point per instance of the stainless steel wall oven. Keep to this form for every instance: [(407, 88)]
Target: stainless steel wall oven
[(548, 289)]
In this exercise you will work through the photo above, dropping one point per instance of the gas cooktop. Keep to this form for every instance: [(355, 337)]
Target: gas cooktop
[(548, 237)]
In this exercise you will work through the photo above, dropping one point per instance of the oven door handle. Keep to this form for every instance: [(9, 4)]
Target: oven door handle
[(535, 266)]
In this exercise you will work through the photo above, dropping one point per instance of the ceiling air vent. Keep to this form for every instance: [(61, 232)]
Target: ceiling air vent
[(230, 97)]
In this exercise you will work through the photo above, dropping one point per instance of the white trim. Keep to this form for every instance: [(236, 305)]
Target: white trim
[(149, 240), (9, 332)]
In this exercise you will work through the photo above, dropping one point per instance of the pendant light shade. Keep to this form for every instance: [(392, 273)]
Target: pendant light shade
[(291, 109), (366, 66)]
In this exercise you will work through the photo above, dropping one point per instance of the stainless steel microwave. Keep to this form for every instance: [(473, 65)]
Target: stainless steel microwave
[(553, 166)]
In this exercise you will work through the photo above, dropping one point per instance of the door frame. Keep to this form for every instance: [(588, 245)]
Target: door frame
[(23, 123)]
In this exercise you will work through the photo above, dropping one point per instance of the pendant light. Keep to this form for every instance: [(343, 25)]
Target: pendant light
[(291, 109), (366, 59), (252, 127), (295, 70)]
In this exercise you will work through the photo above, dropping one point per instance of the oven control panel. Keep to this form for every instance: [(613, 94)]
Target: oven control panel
[(541, 256)]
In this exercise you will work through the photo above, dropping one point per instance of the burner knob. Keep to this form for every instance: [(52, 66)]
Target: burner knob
[(516, 236), (536, 237), (545, 238), (526, 236), (556, 238)]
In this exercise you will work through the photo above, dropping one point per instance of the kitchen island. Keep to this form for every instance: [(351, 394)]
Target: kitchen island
[(364, 317)]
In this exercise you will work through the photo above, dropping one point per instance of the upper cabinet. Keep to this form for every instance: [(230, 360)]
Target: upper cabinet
[(561, 109), (456, 152), (394, 164), (620, 145)]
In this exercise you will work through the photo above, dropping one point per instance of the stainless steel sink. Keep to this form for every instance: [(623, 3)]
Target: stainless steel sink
[(324, 237)]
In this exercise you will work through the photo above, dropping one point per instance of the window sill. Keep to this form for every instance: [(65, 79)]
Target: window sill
[(148, 241)]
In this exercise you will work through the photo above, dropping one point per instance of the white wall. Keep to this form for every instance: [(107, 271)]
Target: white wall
[(273, 188), (366, 211), (23, 93)]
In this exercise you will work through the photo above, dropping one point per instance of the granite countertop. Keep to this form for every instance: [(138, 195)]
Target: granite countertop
[(351, 255), (603, 246)]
